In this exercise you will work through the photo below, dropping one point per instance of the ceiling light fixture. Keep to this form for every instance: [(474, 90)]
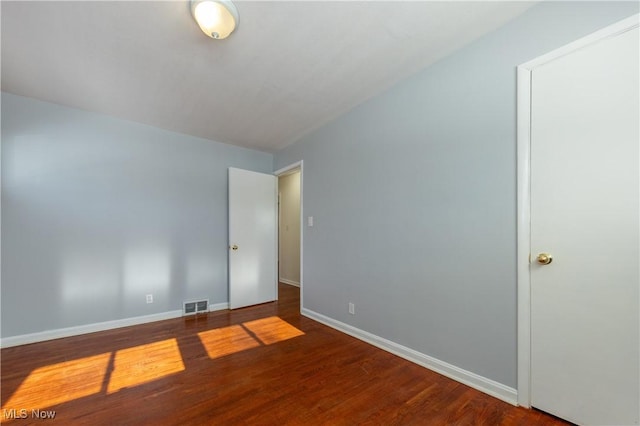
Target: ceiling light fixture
[(216, 18)]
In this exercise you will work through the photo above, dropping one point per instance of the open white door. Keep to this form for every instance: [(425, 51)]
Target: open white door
[(252, 238)]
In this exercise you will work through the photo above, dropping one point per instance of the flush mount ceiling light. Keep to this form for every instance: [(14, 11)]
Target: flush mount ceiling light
[(216, 18)]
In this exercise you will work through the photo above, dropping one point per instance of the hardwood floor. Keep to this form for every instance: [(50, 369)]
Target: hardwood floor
[(263, 365)]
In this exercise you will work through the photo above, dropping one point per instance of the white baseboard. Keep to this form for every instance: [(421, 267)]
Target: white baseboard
[(290, 282), (480, 383), (483, 384), (25, 339), (84, 329)]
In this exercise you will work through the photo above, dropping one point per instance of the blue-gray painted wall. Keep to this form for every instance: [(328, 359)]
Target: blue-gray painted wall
[(97, 212), (413, 195)]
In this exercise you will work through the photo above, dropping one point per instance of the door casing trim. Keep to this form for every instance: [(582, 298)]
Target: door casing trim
[(523, 133)]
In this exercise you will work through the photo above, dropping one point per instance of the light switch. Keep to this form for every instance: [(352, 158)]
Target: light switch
[(310, 221)]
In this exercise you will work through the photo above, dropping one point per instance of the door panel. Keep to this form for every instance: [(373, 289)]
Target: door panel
[(585, 212), (252, 238)]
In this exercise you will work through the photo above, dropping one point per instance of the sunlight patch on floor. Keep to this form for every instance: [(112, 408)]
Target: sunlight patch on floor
[(57, 383), (145, 363), (272, 330), (66, 381), (111, 372), (224, 341), (220, 342)]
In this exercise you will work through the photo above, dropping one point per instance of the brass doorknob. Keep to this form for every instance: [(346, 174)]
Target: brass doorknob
[(234, 247), (544, 258)]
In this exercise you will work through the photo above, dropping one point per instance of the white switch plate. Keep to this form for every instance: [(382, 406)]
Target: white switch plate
[(310, 221), (352, 308)]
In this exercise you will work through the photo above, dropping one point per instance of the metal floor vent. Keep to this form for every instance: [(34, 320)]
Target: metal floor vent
[(196, 307)]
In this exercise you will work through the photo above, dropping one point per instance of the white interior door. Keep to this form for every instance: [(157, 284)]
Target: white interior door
[(585, 187), (252, 238)]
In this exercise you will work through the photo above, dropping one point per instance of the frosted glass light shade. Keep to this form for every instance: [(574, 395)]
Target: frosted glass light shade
[(216, 18)]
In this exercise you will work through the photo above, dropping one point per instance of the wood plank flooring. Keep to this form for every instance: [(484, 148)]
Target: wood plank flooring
[(263, 365)]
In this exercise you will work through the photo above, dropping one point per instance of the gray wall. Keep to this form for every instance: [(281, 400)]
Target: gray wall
[(97, 212), (414, 198)]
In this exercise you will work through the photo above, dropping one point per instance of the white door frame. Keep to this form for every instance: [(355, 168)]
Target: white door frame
[(524, 194), (280, 172)]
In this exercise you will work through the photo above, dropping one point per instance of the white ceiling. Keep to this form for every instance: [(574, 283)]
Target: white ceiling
[(289, 68)]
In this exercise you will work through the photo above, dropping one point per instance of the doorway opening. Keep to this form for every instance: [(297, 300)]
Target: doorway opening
[(290, 235)]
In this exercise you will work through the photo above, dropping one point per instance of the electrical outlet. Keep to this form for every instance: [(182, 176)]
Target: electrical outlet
[(352, 308), (149, 298)]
